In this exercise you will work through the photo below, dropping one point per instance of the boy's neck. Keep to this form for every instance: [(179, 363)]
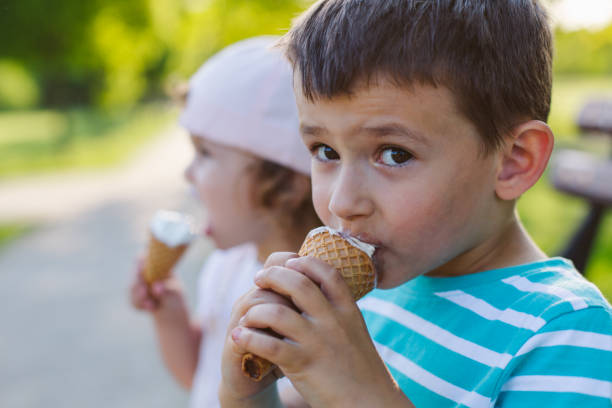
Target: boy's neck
[(512, 246)]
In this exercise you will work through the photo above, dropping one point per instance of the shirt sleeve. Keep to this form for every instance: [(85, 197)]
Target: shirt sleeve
[(568, 363)]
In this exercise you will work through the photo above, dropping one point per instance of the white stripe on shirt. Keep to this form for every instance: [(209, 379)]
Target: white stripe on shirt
[(490, 312), (525, 285), (431, 382), (574, 338), (553, 383), (435, 333)]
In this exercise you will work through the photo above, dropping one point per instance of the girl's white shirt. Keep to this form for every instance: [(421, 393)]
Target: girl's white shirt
[(226, 275)]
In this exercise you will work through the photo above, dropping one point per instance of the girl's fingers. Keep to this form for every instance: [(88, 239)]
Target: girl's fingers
[(302, 291), (281, 319), (329, 279)]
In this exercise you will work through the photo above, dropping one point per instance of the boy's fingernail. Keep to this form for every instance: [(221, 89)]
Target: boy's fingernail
[(236, 334), (258, 275)]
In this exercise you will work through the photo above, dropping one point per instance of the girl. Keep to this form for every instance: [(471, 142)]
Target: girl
[(251, 173)]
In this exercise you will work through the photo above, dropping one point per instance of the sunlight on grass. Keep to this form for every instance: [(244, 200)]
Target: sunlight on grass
[(43, 141), (568, 96), (9, 232)]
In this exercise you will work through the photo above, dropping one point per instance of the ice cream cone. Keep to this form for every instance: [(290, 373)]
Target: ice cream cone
[(161, 259), (170, 235), (351, 257)]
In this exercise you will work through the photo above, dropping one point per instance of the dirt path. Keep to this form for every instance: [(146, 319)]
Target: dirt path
[(69, 337)]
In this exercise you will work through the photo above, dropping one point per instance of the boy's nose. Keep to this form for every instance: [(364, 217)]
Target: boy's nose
[(349, 198)]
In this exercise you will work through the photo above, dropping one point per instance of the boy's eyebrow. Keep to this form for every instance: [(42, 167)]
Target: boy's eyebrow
[(395, 129), (389, 129), (310, 130)]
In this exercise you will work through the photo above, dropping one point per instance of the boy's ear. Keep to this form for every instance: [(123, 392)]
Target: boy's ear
[(523, 159)]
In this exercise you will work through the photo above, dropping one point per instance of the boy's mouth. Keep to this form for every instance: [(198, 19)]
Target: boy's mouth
[(377, 253)]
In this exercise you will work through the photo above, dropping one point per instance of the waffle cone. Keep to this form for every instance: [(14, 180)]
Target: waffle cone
[(160, 259), (355, 266)]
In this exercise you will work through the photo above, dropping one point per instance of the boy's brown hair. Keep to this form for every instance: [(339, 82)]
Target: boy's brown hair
[(494, 55)]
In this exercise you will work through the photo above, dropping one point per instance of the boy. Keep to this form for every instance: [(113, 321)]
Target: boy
[(426, 122)]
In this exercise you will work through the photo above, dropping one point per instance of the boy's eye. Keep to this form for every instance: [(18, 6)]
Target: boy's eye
[(394, 156), (325, 153)]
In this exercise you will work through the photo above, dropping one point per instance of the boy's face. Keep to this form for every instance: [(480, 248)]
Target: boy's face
[(401, 168), (219, 175)]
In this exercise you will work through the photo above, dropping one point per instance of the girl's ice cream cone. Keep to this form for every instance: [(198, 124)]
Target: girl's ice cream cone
[(351, 257), (170, 235)]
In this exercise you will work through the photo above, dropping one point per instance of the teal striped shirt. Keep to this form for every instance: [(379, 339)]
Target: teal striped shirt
[(536, 335)]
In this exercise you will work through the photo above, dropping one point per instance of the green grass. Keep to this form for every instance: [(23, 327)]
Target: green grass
[(33, 142), (8, 232), (551, 217), (568, 96)]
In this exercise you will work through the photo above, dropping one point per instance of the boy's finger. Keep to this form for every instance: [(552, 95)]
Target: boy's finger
[(279, 258), (302, 291), (329, 279), (278, 351), (254, 297), (281, 319)]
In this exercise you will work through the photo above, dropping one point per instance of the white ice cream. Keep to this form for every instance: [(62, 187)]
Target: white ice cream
[(363, 246), (172, 228)]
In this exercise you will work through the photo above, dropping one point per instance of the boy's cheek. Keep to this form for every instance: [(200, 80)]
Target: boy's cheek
[(320, 200)]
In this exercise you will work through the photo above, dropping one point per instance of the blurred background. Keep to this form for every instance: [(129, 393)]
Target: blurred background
[(89, 149)]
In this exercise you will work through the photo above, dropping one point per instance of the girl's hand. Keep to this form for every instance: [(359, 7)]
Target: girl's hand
[(326, 346), (165, 294)]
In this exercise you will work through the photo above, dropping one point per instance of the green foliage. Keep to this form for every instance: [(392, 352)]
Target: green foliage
[(18, 89), (583, 52), (113, 53), (569, 94), (9, 232)]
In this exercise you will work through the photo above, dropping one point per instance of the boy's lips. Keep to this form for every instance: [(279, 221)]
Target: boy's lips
[(368, 239), (379, 249)]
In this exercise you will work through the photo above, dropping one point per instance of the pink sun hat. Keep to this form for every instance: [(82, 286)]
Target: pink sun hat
[(243, 97)]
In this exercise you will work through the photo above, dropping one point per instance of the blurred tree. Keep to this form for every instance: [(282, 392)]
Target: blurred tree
[(115, 52), (584, 52), (112, 53)]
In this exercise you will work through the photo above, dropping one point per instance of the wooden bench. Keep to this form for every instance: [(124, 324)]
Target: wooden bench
[(587, 176)]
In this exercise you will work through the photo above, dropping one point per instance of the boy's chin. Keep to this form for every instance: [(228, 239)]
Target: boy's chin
[(391, 273)]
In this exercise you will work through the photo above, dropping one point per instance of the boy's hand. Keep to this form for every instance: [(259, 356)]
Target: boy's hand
[(326, 346), (237, 390)]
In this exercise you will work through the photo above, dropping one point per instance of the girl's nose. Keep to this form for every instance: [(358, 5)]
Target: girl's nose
[(350, 198), (188, 173)]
